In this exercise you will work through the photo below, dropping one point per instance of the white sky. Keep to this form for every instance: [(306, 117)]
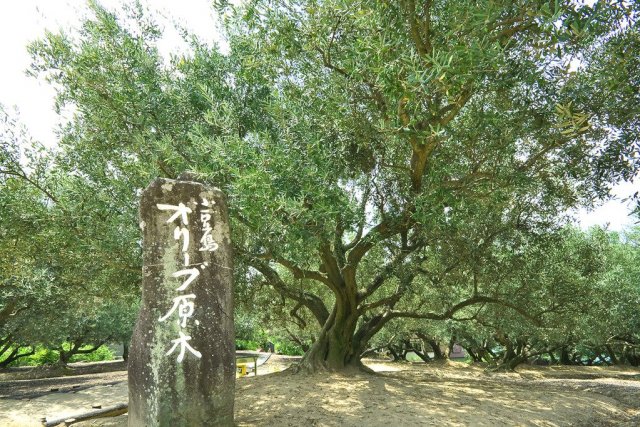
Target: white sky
[(25, 20)]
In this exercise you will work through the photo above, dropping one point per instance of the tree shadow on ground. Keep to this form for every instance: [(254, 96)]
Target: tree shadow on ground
[(416, 398)]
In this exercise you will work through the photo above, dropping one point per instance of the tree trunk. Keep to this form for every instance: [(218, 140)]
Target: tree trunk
[(509, 352), (452, 342), (125, 351), (424, 356), (394, 353), (5, 344), (612, 354), (335, 349), (438, 353), (512, 364), (65, 357), (630, 355), (404, 346), (564, 356), (475, 357), (576, 358)]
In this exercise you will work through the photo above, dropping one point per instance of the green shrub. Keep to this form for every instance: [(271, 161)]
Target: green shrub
[(412, 357), (101, 354), (42, 356), (246, 345), (288, 349)]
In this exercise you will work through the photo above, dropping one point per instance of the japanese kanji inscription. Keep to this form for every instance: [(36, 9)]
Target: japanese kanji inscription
[(182, 359)]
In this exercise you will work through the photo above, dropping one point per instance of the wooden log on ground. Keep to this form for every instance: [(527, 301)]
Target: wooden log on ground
[(111, 411)]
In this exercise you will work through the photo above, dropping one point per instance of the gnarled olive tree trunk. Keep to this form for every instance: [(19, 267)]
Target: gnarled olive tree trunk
[(334, 349)]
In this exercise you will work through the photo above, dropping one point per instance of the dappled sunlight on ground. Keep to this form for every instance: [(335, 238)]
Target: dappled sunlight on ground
[(386, 367), (27, 412), (417, 394), (398, 394)]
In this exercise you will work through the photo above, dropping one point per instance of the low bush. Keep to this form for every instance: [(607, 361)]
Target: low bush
[(288, 349), (246, 345), (45, 356), (103, 353), (42, 356)]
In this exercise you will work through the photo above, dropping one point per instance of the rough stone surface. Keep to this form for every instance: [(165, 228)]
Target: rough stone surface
[(196, 391)]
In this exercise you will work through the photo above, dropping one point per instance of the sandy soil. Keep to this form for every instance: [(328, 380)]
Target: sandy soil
[(415, 394), (397, 395)]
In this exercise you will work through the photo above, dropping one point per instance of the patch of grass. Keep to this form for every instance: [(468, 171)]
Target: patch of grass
[(412, 357), (288, 349), (246, 345), (45, 356), (42, 356), (103, 353)]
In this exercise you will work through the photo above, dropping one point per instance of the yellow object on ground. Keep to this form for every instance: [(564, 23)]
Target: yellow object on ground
[(242, 369)]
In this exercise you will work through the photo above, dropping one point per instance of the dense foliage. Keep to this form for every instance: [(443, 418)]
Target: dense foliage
[(385, 162)]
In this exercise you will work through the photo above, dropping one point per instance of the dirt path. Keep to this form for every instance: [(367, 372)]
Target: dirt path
[(31, 389), (27, 411), (397, 395)]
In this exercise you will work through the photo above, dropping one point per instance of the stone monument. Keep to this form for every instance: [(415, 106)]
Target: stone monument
[(182, 356)]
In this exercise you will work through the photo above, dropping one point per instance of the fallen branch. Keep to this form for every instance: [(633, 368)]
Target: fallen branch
[(111, 411)]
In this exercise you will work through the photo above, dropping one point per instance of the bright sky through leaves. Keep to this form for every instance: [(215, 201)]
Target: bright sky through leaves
[(22, 22)]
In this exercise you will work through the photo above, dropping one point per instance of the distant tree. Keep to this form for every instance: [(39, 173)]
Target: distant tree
[(582, 292), (64, 276), (609, 328)]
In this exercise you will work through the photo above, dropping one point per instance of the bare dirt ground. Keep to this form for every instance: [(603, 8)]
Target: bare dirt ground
[(398, 394)]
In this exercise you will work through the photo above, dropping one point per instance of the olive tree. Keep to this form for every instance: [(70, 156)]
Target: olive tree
[(368, 149)]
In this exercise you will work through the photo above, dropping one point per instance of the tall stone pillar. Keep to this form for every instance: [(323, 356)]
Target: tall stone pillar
[(182, 356)]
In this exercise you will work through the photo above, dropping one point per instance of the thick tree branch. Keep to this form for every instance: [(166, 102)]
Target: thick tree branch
[(338, 246), (448, 314), (389, 301), (450, 111), (294, 313), (387, 271), (504, 36), (382, 231), (300, 273), (330, 264), (8, 310), (363, 216), (418, 33), (533, 159), (369, 328), (309, 300), (469, 179), (426, 26), (422, 151)]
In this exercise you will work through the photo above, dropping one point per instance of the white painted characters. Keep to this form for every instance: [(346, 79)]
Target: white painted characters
[(184, 345), (206, 241), (193, 273), (184, 305), (180, 211), (185, 309), (184, 233)]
